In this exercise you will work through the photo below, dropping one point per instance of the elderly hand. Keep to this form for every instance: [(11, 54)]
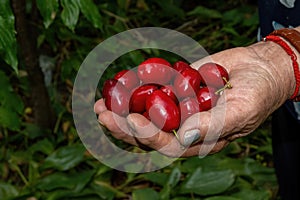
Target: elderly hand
[(262, 79)]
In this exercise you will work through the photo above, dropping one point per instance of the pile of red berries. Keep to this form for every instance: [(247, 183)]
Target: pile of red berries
[(166, 94)]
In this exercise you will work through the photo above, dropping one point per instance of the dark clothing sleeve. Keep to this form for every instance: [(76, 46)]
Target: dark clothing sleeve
[(285, 120)]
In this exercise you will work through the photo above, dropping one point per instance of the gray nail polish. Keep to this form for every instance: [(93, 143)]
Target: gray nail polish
[(191, 137)]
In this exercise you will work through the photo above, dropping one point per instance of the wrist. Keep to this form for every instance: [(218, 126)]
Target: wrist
[(277, 63), (289, 40)]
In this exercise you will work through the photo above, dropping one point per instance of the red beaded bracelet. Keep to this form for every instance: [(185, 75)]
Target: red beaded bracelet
[(293, 56)]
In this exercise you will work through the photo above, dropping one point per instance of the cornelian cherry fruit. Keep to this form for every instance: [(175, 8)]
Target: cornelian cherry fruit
[(170, 91), (207, 97), (128, 78), (116, 97), (188, 107), (155, 70), (213, 75), (187, 83), (165, 94), (163, 111), (138, 98), (180, 66)]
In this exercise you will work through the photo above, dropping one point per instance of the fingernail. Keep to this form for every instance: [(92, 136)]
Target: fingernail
[(191, 137)]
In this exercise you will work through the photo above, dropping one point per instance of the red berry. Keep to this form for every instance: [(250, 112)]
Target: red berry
[(180, 66), (170, 91), (128, 78), (107, 87), (213, 75), (155, 70), (139, 96), (163, 111), (116, 97), (207, 98), (146, 114), (188, 107), (187, 83)]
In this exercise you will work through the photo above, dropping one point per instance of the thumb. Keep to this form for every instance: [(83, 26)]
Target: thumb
[(202, 127)]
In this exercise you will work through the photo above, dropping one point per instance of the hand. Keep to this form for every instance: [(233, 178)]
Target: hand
[(260, 86)]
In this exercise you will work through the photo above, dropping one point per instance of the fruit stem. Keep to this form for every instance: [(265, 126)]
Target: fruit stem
[(226, 86), (175, 133)]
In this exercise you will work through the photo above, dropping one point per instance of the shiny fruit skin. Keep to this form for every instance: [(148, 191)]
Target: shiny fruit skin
[(188, 107), (207, 98), (128, 78), (170, 91), (163, 111), (155, 70), (187, 83), (116, 98), (138, 98), (213, 75), (107, 87), (180, 66)]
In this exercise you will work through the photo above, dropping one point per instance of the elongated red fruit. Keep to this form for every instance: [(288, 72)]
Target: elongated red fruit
[(188, 107), (207, 98), (139, 96), (213, 75), (163, 111), (155, 70), (128, 78), (180, 66), (116, 97), (187, 83)]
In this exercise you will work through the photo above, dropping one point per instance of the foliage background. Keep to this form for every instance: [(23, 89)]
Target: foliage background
[(42, 45)]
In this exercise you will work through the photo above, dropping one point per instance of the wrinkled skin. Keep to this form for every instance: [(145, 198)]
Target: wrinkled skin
[(262, 79)]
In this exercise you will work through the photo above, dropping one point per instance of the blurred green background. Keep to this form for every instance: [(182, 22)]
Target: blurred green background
[(42, 45)]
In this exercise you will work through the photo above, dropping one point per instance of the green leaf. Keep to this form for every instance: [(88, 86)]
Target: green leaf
[(8, 42), (44, 146), (8, 98), (137, 57), (247, 194), (33, 131), (104, 190), (208, 183), (9, 119), (70, 13), (5, 85), (7, 191), (12, 101), (156, 177), (206, 13), (145, 194), (48, 10), (222, 198), (91, 12), (75, 181), (174, 177), (65, 157)]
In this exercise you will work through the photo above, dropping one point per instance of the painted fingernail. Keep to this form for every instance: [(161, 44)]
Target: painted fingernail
[(191, 137)]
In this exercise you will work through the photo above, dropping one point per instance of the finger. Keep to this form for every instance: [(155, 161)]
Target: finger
[(118, 126), (201, 127), (148, 134), (99, 106), (203, 149)]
